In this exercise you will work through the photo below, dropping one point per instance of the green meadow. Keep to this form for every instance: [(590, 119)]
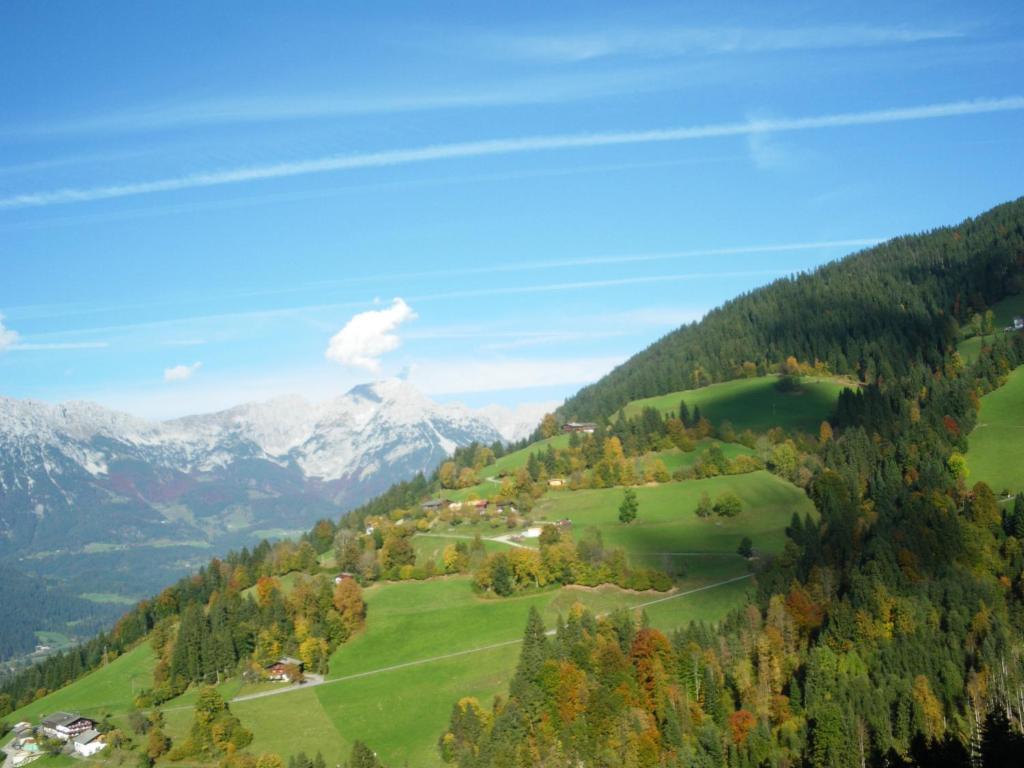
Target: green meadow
[(471, 645), (755, 404), (1004, 311), (996, 445), (666, 521), (675, 459)]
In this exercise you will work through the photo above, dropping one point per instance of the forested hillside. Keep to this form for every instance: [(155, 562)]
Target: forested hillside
[(890, 632), (41, 607), (875, 315)]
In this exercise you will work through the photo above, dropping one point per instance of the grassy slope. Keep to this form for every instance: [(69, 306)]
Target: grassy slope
[(507, 464), (996, 446), (676, 459), (401, 712), (107, 690), (753, 403), (432, 547), (667, 523), (1004, 311)]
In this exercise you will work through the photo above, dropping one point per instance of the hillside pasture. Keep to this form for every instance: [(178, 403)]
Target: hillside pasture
[(756, 404), (667, 523), (427, 644), (1004, 311), (676, 459), (996, 445)]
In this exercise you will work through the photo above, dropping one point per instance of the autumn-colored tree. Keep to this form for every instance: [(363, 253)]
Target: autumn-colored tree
[(741, 723), (549, 425), (448, 475), (929, 709), (824, 432), (157, 744), (348, 601), (269, 760), (266, 585)]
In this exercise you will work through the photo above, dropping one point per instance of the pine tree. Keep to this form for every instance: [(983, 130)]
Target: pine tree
[(684, 413), (525, 685), (363, 757)]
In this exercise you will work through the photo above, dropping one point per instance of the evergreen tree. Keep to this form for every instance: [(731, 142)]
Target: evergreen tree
[(363, 757), (629, 507)]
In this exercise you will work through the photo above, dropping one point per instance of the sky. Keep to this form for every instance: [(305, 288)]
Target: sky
[(208, 203)]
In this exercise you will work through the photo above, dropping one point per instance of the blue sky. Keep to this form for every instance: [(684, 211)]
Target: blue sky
[(207, 203)]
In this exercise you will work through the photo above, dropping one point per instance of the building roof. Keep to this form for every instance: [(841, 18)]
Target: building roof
[(286, 660), (58, 719), (86, 736)]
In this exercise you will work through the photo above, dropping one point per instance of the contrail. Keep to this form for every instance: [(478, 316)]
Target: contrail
[(511, 146)]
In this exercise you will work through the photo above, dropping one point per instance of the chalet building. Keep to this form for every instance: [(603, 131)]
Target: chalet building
[(88, 743), (65, 725), (564, 524), (455, 506), (505, 507), (343, 576), (481, 505), (556, 482), (435, 505), (579, 426), (1018, 323), (278, 671)]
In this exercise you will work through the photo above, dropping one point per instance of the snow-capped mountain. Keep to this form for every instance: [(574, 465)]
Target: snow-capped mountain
[(77, 474)]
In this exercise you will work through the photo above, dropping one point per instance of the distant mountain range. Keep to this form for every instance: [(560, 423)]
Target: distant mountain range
[(119, 504)]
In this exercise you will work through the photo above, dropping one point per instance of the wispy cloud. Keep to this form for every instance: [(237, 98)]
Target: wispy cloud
[(391, 278), (58, 346), (511, 146), (281, 107), (181, 372), (688, 41)]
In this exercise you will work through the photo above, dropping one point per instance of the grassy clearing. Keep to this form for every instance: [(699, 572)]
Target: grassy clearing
[(431, 546), (107, 690), (108, 597), (754, 403), (1004, 311), (676, 459), (996, 446), (506, 465), (667, 523)]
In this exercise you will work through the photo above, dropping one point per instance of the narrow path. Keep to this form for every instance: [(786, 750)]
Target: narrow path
[(469, 651), (500, 539)]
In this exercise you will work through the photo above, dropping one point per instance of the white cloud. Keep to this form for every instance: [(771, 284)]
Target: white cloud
[(7, 337), (510, 146), (181, 372), (369, 335)]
